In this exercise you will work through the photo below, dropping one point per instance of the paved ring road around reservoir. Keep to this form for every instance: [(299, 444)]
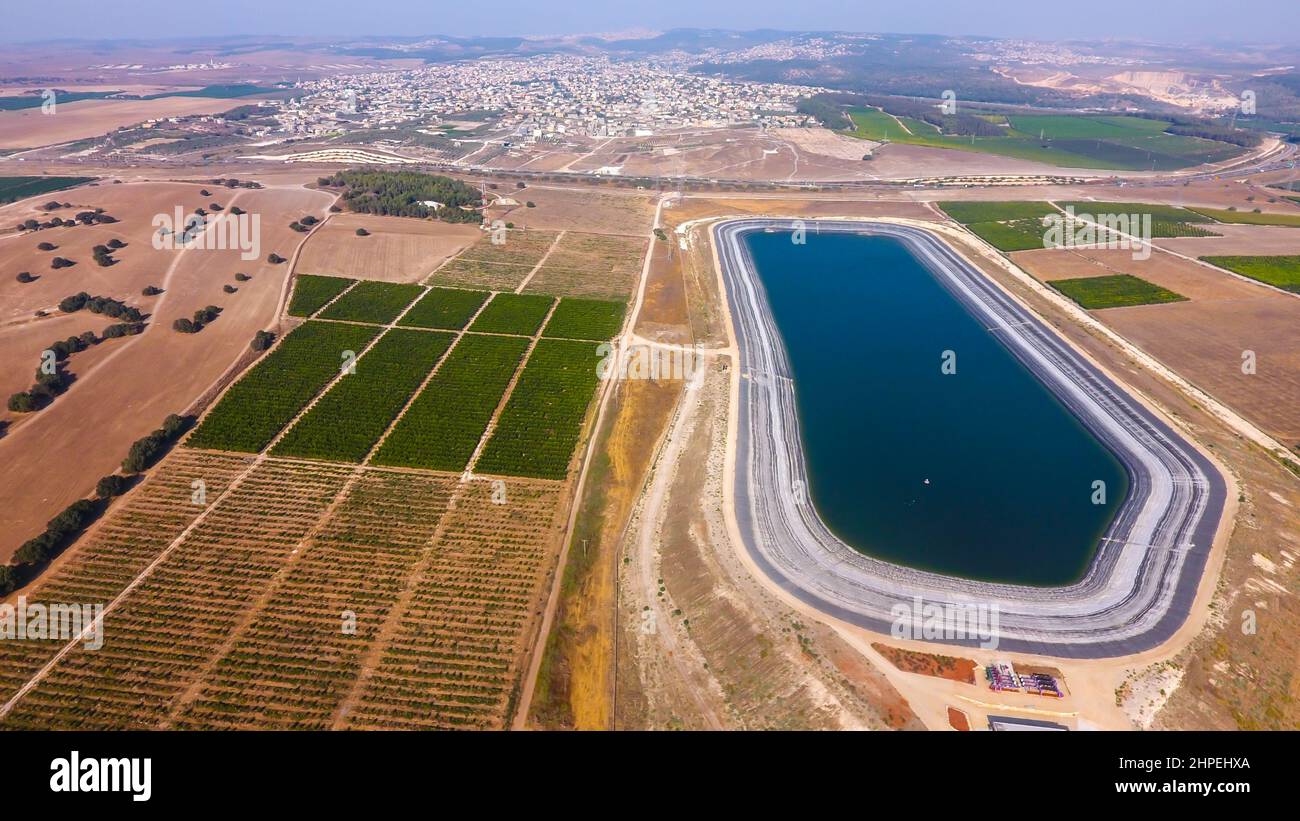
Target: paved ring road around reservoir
[(1143, 579)]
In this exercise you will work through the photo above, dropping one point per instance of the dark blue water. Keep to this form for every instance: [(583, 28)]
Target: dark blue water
[(1010, 469)]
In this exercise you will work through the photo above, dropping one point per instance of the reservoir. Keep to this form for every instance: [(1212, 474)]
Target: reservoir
[(980, 473)]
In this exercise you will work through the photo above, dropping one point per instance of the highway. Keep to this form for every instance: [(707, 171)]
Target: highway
[(1143, 579)]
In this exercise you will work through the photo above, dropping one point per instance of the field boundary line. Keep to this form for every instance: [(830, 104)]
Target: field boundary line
[(554, 244), (537, 653), (291, 281)]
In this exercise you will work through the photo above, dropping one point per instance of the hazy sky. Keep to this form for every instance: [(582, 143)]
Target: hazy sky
[(1158, 20)]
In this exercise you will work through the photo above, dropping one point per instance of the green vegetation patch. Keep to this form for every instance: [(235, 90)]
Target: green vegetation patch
[(1158, 212), (1118, 291), (1278, 271), (448, 308), (311, 293), (1250, 217), (520, 314), (971, 212), (404, 194), (585, 319), (1016, 235), (378, 302), (348, 420), (445, 422), (258, 406), (13, 189), (542, 420)]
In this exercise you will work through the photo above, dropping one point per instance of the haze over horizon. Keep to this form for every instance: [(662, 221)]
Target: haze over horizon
[(1249, 21)]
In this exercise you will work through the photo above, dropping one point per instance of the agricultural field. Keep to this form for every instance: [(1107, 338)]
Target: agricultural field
[(1167, 221), (968, 212), (443, 426), (539, 428), (376, 302), (134, 532), (445, 308), (391, 249), (1100, 142), (1007, 226), (1250, 217), (594, 265), (458, 643), (311, 293), (1280, 271), (503, 267), (520, 314), (593, 319), (350, 418), (259, 405), (1116, 291), (291, 661), (161, 637), (13, 189)]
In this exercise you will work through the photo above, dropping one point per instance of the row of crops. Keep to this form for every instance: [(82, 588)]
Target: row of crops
[(520, 314), (162, 636), (445, 308), (593, 319), (311, 293), (258, 406), (348, 420), (539, 428), (1018, 226), (376, 302), (443, 426)]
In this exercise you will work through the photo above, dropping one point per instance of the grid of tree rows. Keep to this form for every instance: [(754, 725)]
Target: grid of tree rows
[(445, 308), (259, 405), (594, 319), (101, 565), (443, 425), (455, 658), (295, 663), (311, 293), (349, 419), (539, 427), (159, 640), (520, 314), (371, 301)]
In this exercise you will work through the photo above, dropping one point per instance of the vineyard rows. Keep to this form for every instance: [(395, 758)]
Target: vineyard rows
[(259, 405), (311, 293), (585, 319), (370, 301), (539, 428), (443, 425), (101, 565), (520, 314), (445, 308), (348, 420), (164, 633)]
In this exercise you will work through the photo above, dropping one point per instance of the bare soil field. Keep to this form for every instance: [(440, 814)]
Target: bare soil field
[(29, 128), (397, 250), (1205, 338), (577, 209), (590, 265), (56, 455), (1249, 240), (825, 142), (929, 664), (495, 266)]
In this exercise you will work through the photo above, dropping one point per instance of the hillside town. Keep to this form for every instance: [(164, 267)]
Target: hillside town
[(541, 98)]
